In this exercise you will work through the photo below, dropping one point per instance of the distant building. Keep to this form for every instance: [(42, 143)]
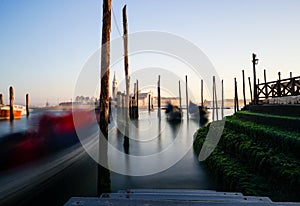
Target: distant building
[(144, 99), (227, 102), (114, 87)]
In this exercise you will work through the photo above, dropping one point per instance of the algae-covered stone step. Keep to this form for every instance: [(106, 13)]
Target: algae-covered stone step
[(179, 192), (92, 201), (186, 197)]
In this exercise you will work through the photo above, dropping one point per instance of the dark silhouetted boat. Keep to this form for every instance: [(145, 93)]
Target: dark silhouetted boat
[(173, 113), (197, 112)]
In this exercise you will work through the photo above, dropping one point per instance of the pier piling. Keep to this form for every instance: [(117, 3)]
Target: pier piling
[(158, 93), (254, 62), (137, 99), (250, 88), (244, 89), (237, 96), (103, 183), (213, 109), (1, 99), (127, 79), (179, 94), (216, 99), (27, 105), (149, 102), (187, 97), (222, 109), (236, 99), (202, 93), (279, 85), (266, 85), (11, 103)]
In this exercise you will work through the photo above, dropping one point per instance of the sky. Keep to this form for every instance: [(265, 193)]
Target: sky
[(45, 44)]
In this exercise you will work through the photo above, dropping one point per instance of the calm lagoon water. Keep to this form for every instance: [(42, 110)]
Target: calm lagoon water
[(176, 168)]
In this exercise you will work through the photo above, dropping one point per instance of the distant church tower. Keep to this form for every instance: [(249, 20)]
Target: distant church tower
[(114, 87)]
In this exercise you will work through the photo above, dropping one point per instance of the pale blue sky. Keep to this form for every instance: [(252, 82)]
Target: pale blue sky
[(44, 44)]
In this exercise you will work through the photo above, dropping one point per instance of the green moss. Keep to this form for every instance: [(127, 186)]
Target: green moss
[(255, 160)]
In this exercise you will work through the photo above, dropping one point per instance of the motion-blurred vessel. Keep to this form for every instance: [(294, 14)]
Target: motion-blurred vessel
[(19, 110)]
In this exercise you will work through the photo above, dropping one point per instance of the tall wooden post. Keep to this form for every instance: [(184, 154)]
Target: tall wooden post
[(1, 99), (149, 102), (254, 62), (244, 88), (27, 104), (137, 98), (213, 91), (266, 85), (179, 94), (291, 75), (234, 98), (250, 88), (278, 85), (127, 78), (11, 103), (216, 99), (236, 95), (126, 66), (186, 97), (158, 92), (202, 93), (103, 172), (134, 94), (222, 110)]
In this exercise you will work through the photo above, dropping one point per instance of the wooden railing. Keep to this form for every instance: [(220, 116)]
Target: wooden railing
[(279, 88)]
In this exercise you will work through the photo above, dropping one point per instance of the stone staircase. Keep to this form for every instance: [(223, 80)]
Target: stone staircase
[(173, 197)]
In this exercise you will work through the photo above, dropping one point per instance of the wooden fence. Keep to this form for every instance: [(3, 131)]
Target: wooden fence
[(279, 88)]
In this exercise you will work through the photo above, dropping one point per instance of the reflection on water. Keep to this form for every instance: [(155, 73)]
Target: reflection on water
[(24, 124), (160, 156)]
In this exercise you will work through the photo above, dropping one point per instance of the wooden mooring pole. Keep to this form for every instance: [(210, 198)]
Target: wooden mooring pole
[(202, 93), (236, 95), (250, 88), (103, 183), (234, 98), (213, 91), (254, 62), (187, 97), (127, 78), (216, 99), (149, 102), (278, 85), (244, 88), (27, 105), (1, 100), (137, 99), (158, 92), (134, 94), (11, 103), (266, 85), (179, 94), (222, 109)]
